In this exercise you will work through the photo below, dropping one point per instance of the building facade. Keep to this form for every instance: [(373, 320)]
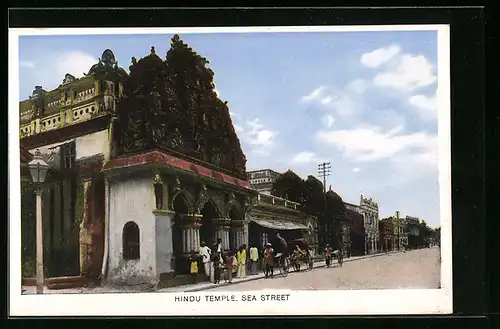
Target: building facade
[(357, 229), (386, 229), (70, 126), (370, 211), (262, 180), (270, 215)]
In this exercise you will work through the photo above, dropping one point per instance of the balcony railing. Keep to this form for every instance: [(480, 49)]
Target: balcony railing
[(274, 200)]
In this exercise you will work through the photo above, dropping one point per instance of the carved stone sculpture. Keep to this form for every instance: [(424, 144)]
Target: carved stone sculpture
[(175, 102)]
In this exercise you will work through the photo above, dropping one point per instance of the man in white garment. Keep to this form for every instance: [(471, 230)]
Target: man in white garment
[(206, 255), (219, 249)]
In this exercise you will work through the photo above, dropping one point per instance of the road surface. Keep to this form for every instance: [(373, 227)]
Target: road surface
[(417, 269)]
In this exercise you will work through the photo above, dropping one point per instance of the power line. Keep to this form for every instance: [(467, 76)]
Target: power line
[(324, 170)]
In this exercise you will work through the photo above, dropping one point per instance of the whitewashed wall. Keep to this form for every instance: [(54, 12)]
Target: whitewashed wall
[(132, 199), (86, 146), (91, 144)]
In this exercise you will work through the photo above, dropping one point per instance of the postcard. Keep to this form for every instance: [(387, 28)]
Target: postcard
[(230, 171)]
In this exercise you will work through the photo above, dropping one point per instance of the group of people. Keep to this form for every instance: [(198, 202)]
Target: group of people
[(218, 264)]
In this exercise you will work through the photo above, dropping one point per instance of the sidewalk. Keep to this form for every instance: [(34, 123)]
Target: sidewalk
[(209, 285), (29, 290)]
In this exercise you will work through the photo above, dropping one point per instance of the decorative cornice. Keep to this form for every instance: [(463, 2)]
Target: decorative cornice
[(162, 212), (158, 158)]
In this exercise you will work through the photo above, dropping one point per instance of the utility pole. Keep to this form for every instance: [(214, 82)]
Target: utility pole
[(399, 228), (324, 172)]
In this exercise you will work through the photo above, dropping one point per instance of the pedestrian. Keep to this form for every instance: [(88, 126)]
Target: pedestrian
[(206, 256), (229, 266), (254, 258), (219, 250), (241, 257), (217, 267), (328, 255), (193, 268), (268, 260)]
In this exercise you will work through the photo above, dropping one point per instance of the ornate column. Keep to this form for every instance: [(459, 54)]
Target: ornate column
[(191, 233), (222, 227), (238, 229), (85, 233)]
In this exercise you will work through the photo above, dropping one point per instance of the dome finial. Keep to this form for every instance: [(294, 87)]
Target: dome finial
[(153, 50)]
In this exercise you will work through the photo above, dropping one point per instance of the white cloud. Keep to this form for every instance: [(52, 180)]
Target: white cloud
[(326, 100), (367, 145), (315, 94), (410, 73), (407, 157), (75, 63), (304, 158), (380, 56), (328, 121), (359, 86), (51, 68), (27, 64), (356, 169), (262, 137), (255, 124), (344, 101), (260, 140), (425, 106), (233, 114)]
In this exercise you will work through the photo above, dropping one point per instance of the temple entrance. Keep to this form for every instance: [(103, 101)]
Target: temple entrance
[(181, 210), (207, 229)]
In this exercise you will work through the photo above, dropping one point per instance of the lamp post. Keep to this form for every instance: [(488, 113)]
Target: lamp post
[(38, 169)]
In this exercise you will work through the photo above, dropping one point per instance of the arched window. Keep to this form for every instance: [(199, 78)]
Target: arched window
[(131, 243)]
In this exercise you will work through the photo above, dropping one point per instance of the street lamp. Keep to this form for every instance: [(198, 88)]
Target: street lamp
[(38, 169)]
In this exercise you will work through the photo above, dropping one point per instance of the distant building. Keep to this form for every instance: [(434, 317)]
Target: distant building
[(369, 209), (413, 227), (401, 231), (413, 223), (357, 229), (262, 180), (386, 229)]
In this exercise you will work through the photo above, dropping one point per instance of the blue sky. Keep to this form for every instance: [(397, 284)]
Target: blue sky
[(364, 101)]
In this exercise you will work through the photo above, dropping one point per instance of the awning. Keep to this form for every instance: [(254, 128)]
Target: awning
[(278, 224)]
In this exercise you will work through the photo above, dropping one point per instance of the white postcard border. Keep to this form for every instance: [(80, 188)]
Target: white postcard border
[(333, 302)]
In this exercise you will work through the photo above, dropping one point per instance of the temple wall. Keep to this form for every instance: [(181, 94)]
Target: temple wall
[(132, 199)]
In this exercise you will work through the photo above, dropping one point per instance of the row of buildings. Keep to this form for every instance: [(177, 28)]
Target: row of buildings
[(365, 232), (144, 166)]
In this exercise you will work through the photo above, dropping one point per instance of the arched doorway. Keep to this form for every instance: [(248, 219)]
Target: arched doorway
[(207, 229), (180, 206)]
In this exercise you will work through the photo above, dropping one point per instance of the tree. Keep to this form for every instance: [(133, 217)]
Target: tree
[(289, 186), (310, 194), (424, 234), (315, 197)]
